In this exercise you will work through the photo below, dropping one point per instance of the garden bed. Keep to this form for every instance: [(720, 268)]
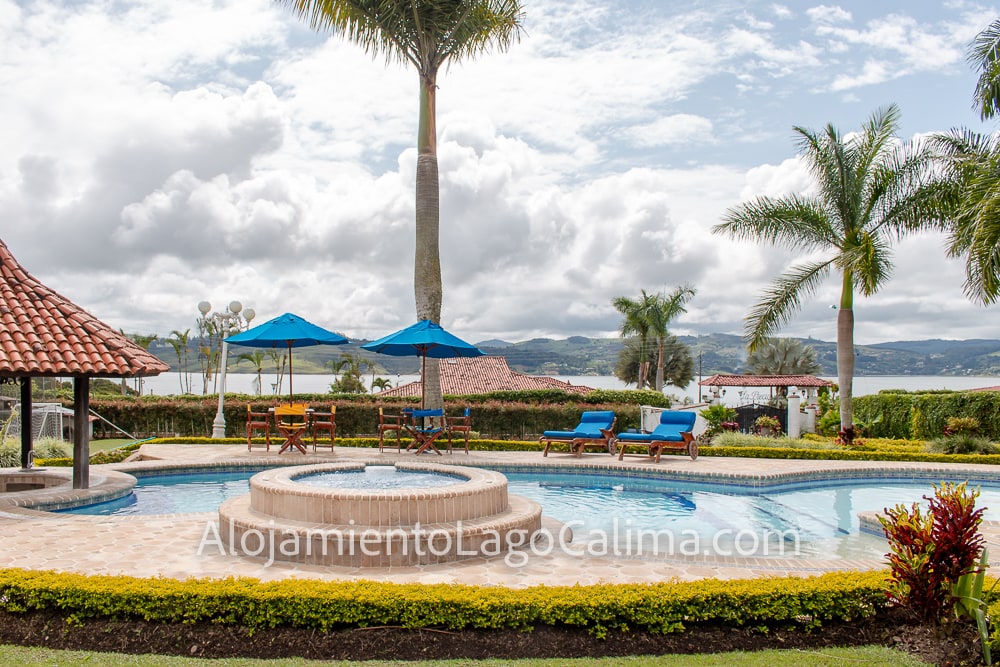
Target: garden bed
[(955, 645)]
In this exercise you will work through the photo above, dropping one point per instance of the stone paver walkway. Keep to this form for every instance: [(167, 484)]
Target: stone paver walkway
[(182, 546)]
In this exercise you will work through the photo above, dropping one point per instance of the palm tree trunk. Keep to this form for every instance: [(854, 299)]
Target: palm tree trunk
[(427, 255), (659, 364), (845, 369)]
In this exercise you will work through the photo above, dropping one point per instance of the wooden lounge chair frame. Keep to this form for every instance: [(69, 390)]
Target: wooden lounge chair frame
[(664, 436), (596, 429)]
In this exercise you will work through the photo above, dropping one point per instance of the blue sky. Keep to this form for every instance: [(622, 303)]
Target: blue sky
[(158, 154)]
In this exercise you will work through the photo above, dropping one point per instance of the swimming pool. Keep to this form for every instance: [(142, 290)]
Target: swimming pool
[(615, 515)]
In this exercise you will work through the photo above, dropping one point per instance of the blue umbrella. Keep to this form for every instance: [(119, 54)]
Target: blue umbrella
[(423, 339), (289, 331)]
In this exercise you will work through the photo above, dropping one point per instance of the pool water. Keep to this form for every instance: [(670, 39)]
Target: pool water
[(612, 515), (376, 478)]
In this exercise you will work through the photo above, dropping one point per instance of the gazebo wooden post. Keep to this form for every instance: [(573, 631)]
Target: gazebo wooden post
[(26, 458), (81, 432)]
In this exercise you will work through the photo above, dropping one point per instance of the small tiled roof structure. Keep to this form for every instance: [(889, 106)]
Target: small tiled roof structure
[(481, 375), (726, 380), (44, 334), (997, 388)]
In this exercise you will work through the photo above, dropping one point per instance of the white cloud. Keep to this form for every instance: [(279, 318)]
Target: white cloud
[(828, 15), (675, 129), (158, 154)]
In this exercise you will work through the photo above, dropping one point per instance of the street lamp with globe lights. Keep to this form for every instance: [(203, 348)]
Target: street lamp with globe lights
[(217, 326)]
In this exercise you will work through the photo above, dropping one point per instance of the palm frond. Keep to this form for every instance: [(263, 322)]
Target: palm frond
[(781, 300), (425, 34), (869, 262), (984, 54), (792, 221)]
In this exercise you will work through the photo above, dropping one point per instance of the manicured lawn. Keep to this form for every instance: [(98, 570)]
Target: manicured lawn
[(110, 443), (869, 656)]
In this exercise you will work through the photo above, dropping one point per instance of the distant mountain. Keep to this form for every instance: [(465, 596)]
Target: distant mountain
[(493, 343), (714, 353)]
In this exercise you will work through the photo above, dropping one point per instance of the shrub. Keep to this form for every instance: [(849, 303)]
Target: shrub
[(961, 425), (930, 553), (767, 422), (829, 423), (715, 416), (325, 605), (963, 443), (733, 439), (925, 415), (44, 448)]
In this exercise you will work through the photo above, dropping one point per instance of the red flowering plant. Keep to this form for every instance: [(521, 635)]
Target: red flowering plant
[(931, 552)]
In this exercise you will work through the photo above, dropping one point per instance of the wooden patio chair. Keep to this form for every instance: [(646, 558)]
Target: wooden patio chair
[(323, 421), (387, 422), (258, 421), (292, 421), (461, 424)]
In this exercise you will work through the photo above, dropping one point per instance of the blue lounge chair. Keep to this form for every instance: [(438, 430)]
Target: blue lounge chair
[(596, 429), (673, 432)]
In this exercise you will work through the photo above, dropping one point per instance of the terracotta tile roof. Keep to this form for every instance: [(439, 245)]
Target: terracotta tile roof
[(725, 380), (997, 388), (480, 375), (44, 334)]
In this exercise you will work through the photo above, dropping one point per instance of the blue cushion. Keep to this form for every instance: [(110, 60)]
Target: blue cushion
[(603, 417), (672, 424), (590, 426)]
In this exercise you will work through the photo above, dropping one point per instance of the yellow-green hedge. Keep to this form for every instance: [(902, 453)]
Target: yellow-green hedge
[(848, 455), (327, 605)]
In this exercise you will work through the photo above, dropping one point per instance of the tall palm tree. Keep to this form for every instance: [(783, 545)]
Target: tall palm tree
[(970, 178), (635, 323), (678, 368), (255, 359), (984, 54), (970, 191), (868, 193), (783, 356), (663, 310), (179, 341), (427, 35), (143, 341)]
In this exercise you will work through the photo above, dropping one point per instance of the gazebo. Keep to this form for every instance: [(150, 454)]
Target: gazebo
[(807, 382), (43, 334)]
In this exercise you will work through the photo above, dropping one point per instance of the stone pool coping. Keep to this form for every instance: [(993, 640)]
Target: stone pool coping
[(175, 545)]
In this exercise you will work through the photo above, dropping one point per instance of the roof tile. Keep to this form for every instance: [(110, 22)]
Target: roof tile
[(726, 380), (44, 334), (481, 375)]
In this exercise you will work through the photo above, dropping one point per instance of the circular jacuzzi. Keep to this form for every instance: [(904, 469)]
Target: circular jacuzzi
[(376, 516)]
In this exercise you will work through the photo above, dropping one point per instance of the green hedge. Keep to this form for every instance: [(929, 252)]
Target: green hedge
[(502, 419), (480, 444), (846, 455), (923, 416), (330, 605)]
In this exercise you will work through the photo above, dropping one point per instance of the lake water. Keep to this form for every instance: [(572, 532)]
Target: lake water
[(169, 383)]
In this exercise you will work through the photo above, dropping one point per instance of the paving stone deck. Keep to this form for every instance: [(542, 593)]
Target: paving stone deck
[(174, 545)]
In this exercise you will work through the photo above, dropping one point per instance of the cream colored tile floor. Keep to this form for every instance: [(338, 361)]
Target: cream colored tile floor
[(168, 546)]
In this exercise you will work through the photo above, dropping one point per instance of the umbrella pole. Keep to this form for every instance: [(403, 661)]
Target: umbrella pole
[(423, 380), (291, 392)]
